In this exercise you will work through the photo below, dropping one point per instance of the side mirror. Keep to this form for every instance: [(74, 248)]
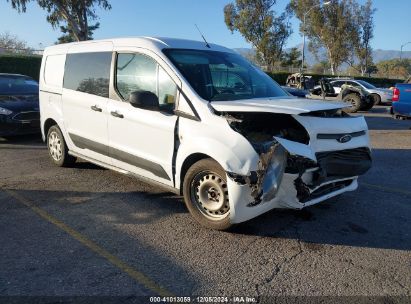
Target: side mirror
[(145, 100)]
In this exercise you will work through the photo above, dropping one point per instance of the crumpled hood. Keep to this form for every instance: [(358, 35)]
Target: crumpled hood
[(285, 105)]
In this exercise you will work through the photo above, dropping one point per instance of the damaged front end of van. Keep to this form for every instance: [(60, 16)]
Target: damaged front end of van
[(304, 157)]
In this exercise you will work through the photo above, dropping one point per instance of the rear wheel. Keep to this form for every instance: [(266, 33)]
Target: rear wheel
[(354, 100), (368, 106), (206, 194), (57, 148), (376, 98)]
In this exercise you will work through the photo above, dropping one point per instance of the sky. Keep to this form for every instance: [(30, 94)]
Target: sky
[(176, 18)]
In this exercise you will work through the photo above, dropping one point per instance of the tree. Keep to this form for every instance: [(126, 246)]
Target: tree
[(321, 67), (394, 68), (12, 44), (260, 26), (365, 27), (291, 58), (253, 57), (68, 35), (331, 26), (74, 14)]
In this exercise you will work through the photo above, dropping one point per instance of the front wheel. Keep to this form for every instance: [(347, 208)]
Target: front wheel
[(354, 100), (57, 148), (206, 194)]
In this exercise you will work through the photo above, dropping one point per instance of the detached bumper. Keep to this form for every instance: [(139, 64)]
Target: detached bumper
[(287, 196), (305, 182)]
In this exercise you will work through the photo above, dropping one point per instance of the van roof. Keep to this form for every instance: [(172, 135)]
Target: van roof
[(151, 43)]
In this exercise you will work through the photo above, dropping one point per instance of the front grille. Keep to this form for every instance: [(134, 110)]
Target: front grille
[(351, 154), (27, 116), (350, 162)]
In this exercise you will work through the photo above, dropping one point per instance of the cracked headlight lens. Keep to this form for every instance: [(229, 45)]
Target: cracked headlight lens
[(4, 111)]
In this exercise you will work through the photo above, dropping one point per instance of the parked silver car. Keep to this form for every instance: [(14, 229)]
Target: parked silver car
[(380, 95)]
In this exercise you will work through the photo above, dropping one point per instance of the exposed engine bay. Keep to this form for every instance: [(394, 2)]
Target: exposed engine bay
[(325, 173)]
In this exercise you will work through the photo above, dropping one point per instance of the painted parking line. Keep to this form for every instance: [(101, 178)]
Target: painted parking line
[(133, 273), (387, 189)]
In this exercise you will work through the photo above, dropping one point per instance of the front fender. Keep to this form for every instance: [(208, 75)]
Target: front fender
[(230, 149)]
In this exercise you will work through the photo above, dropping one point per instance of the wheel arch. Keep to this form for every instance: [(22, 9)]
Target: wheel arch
[(188, 162), (350, 91), (47, 125), (376, 94)]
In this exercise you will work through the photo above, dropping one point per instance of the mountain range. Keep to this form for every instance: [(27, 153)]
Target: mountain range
[(378, 54)]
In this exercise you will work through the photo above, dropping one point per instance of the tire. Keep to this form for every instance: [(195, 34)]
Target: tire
[(206, 194), (368, 106), (354, 100), (377, 99), (57, 148)]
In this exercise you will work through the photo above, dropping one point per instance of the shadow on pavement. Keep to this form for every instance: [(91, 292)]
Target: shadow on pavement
[(32, 139), (366, 218), (84, 165), (101, 217)]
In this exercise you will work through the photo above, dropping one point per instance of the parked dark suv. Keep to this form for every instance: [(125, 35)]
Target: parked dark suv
[(19, 105)]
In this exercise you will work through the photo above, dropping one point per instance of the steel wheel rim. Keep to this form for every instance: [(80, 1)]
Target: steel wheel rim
[(55, 146), (351, 101), (210, 195)]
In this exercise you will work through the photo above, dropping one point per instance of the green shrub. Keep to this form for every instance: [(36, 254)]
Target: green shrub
[(21, 64)]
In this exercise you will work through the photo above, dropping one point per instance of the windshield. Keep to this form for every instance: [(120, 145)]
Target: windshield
[(18, 85), (366, 84), (217, 76)]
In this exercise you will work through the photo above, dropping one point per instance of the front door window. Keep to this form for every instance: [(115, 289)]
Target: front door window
[(138, 72)]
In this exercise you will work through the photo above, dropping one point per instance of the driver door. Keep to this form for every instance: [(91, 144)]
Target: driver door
[(142, 141)]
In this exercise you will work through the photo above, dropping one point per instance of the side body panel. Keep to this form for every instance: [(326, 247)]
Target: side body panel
[(142, 141), (51, 83), (216, 139), (86, 115)]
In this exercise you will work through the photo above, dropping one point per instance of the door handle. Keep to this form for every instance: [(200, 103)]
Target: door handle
[(116, 114), (96, 108)]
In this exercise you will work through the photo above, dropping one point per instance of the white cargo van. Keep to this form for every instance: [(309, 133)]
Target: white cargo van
[(200, 119)]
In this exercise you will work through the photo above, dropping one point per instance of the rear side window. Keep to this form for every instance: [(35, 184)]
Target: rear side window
[(337, 84), (354, 84), (88, 73), (54, 70)]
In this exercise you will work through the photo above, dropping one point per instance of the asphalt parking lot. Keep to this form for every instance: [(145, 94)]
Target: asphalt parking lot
[(87, 231)]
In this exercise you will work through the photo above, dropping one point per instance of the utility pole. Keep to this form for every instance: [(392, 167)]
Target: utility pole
[(304, 29), (402, 48)]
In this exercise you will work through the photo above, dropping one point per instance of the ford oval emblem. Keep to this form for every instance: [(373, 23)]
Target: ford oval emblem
[(345, 138)]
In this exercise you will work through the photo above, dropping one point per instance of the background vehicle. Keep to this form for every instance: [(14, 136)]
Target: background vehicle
[(358, 98), (299, 81), (401, 101), (19, 105), (379, 95), (295, 91)]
